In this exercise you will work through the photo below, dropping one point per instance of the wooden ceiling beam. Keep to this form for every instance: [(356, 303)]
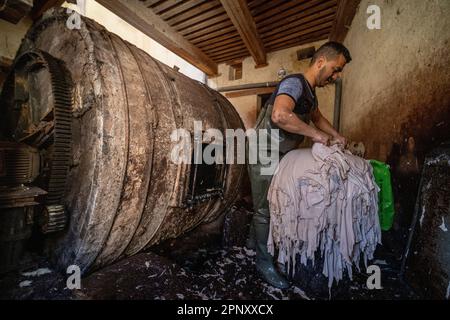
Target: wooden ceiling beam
[(223, 44), (232, 56), (149, 3), (319, 16), (276, 10), (309, 38), (190, 14), (295, 14), (198, 19), (297, 33), (211, 35), (262, 8), (183, 7), (203, 41), (212, 28), (242, 19), (145, 20), (221, 20), (165, 6), (345, 13), (288, 34), (232, 59), (256, 3), (235, 52), (226, 49)]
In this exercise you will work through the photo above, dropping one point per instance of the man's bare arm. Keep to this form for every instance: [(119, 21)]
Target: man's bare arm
[(284, 118), (323, 124)]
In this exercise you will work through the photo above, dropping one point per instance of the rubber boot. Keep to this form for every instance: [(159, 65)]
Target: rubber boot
[(250, 243), (282, 269), (264, 260)]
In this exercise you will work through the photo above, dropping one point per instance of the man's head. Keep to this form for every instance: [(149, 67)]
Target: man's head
[(328, 62)]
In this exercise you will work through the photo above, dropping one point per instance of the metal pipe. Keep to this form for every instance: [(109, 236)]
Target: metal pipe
[(248, 86), (412, 228), (337, 104)]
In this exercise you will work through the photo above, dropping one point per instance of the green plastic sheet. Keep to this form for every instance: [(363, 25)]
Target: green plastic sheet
[(382, 176)]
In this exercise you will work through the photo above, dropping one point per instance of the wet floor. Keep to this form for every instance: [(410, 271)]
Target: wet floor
[(210, 262)]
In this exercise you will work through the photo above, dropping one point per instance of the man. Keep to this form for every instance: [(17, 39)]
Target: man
[(290, 109)]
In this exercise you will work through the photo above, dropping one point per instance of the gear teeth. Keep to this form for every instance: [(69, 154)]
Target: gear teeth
[(62, 92), (54, 219)]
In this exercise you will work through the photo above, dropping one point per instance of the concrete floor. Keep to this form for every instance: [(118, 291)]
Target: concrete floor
[(204, 264)]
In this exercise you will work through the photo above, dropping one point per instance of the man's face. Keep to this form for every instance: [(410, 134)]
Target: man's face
[(329, 70)]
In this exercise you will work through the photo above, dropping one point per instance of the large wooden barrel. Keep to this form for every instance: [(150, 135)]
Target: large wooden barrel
[(123, 193)]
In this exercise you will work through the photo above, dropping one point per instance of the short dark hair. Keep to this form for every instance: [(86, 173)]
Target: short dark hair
[(331, 50)]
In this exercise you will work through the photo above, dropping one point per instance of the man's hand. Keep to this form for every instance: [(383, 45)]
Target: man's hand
[(338, 139), (321, 137)]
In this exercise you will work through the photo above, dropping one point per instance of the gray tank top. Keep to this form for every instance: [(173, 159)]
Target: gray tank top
[(306, 103)]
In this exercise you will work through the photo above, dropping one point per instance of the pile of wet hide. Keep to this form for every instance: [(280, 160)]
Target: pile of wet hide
[(324, 199)]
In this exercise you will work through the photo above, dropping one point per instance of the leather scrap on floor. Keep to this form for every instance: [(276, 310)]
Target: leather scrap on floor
[(324, 198)]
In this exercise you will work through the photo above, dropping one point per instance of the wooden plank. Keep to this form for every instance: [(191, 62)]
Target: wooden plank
[(200, 18), (283, 7), (344, 17), (319, 35), (207, 23), (298, 13), (226, 23), (313, 37), (164, 6), (190, 14), (223, 50), (310, 37), (298, 32), (242, 19), (142, 18), (235, 61), (226, 60), (210, 23), (230, 41), (249, 92), (214, 34), (218, 48), (208, 40), (256, 3), (182, 7), (316, 18), (149, 3), (231, 56), (219, 55), (234, 54), (260, 9)]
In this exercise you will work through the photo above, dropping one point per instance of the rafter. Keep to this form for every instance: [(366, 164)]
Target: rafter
[(144, 19), (242, 19)]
